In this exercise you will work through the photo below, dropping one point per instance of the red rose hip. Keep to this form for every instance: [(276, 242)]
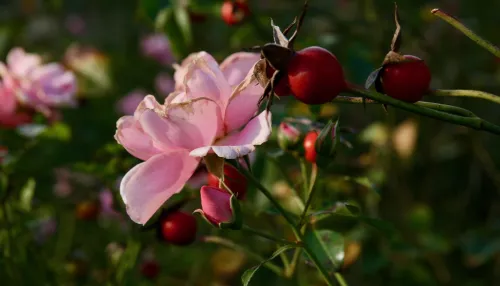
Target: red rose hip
[(234, 180), (178, 228), (315, 76), (408, 80), (87, 210), (234, 12), (310, 146), (150, 269)]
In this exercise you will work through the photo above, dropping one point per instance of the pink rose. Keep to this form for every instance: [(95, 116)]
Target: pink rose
[(208, 115), (36, 85)]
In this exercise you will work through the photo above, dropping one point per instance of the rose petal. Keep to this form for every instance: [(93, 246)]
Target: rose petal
[(130, 135), (205, 79), (242, 107), (20, 62), (241, 143), (148, 185), (8, 101), (187, 126), (236, 66), (215, 204)]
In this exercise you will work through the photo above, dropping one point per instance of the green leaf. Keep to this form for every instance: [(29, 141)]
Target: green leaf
[(247, 276), (327, 246), (215, 165), (175, 33), (27, 193), (151, 8), (343, 217), (58, 131)]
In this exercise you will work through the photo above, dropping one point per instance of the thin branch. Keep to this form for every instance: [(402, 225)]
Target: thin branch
[(436, 106), (229, 244), (468, 32), (472, 122), (466, 93)]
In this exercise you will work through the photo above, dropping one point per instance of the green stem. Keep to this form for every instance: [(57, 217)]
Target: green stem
[(472, 122), (340, 279), (436, 106), (310, 193), (466, 93), (229, 244), (293, 264), (303, 171), (267, 236), (468, 32)]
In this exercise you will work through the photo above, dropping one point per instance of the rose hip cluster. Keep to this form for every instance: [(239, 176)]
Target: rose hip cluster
[(314, 75)]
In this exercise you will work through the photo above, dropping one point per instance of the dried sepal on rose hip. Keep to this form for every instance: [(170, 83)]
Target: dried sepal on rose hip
[(312, 75), (404, 77)]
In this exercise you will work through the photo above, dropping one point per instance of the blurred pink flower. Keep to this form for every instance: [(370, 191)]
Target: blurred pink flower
[(106, 200), (164, 84), (36, 85), (62, 187), (129, 103), (209, 116), (215, 205), (157, 46), (10, 116)]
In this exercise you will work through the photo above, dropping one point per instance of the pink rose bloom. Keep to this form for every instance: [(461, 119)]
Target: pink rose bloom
[(164, 84), (36, 85), (208, 116), (157, 46), (129, 103)]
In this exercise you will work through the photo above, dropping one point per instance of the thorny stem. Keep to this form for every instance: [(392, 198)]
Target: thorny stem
[(295, 228), (466, 93), (310, 193), (472, 122), (229, 244), (436, 106), (268, 236), (468, 32)]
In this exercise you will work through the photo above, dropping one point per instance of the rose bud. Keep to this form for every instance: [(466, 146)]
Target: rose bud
[(326, 143), (288, 136), (219, 208)]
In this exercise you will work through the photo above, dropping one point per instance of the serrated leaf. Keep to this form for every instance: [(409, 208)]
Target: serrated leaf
[(372, 78), (27, 193), (247, 276), (327, 246), (342, 218)]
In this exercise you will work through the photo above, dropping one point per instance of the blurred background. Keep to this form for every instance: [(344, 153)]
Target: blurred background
[(435, 185)]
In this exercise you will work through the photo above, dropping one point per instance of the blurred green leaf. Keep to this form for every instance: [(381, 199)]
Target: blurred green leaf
[(4, 183), (383, 226), (59, 131), (247, 275), (128, 259), (182, 19), (174, 31), (327, 246), (27, 193), (343, 217)]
